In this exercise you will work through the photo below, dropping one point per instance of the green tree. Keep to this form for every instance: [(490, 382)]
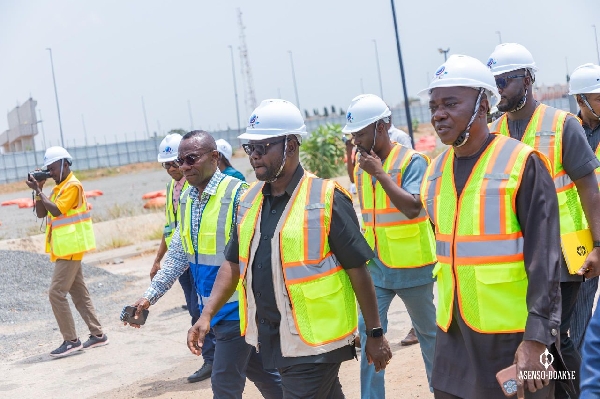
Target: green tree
[(178, 131), (322, 153)]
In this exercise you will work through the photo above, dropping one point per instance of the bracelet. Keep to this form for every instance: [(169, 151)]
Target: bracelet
[(596, 244), (37, 197)]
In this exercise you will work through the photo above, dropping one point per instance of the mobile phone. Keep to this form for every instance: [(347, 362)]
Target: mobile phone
[(507, 378), (128, 315)]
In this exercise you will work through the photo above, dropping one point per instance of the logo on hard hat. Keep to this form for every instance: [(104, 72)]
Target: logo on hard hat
[(440, 72), (491, 62), (252, 122), (349, 117), (168, 150)]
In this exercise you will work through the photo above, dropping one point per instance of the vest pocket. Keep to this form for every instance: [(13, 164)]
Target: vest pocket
[(207, 243), (64, 239), (400, 246)]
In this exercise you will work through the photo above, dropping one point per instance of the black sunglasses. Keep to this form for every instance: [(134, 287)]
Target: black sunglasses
[(501, 83), (261, 149), (191, 159), (169, 165)]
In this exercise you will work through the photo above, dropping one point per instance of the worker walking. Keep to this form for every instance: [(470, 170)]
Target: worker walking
[(298, 259), (69, 235), (585, 86), (167, 154), (225, 154), (560, 137), (205, 221), (388, 179), (495, 212)]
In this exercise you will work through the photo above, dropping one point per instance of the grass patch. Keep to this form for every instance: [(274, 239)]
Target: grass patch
[(116, 242), (117, 211), (155, 234)]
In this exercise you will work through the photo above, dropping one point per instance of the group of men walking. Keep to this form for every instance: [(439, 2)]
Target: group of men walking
[(273, 272)]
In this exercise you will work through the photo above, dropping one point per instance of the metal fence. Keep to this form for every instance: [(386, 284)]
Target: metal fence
[(14, 166)]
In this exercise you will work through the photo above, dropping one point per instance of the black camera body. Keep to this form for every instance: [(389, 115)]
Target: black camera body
[(40, 175)]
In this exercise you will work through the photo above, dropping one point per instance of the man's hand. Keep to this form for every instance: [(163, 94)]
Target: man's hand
[(370, 163), (527, 358), (34, 184), (196, 334), (378, 352), (591, 266), (140, 305), (155, 269)]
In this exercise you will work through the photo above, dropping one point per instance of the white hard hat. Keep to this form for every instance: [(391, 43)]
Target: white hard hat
[(465, 71), (224, 148), (585, 79), (364, 110), (168, 149), (510, 57), (274, 118), (54, 154)]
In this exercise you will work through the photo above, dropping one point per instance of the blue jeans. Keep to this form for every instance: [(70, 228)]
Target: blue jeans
[(234, 361), (191, 300), (583, 312), (419, 304)]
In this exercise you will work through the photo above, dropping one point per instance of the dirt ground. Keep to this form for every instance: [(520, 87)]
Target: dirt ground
[(153, 362)]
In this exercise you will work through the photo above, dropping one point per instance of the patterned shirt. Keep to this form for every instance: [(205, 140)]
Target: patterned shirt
[(177, 192), (176, 261)]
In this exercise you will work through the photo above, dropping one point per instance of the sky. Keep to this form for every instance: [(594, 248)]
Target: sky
[(109, 54)]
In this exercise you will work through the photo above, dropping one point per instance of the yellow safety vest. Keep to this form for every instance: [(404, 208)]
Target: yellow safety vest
[(70, 233), (401, 242), (170, 214), (318, 288), (597, 171), (544, 133), (479, 239)]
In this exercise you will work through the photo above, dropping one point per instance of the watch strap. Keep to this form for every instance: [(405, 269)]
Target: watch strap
[(596, 244)]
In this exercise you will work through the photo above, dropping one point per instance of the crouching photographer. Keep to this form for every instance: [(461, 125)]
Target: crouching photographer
[(69, 234)]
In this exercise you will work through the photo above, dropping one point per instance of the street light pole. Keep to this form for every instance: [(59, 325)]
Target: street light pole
[(597, 48), (190, 112), (406, 103), (84, 130), (378, 69), (62, 141), (237, 107), (499, 37), (145, 118), (445, 52), (294, 78)]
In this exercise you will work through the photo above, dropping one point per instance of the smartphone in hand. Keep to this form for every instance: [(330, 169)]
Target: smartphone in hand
[(128, 315), (507, 378)]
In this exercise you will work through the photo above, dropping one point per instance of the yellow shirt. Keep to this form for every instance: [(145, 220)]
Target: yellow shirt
[(69, 199)]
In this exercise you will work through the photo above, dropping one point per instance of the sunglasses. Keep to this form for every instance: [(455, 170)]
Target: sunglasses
[(261, 149), (169, 165), (501, 83), (191, 159)]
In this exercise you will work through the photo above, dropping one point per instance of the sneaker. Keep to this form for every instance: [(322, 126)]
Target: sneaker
[(67, 348), (411, 338), (95, 341), (202, 374)]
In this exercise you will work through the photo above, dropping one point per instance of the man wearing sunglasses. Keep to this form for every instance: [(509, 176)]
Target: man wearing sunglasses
[(205, 220), (298, 259), (561, 138), (167, 154)]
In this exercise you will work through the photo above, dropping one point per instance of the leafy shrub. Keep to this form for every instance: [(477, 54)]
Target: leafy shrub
[(322, 153)]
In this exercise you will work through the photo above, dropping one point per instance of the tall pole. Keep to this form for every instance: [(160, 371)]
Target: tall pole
[(145, 118), (362, 87), (597, 48), (62, 141), (406, 103), (235, 92), (294, 78), (445, 52), (84, 130), (43, 130), (378, 69), (499, 37), (191, 119)]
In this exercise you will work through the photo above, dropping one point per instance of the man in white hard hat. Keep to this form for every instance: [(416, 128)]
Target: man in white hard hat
[(495, 212), (205, 221), (298, 259), (585, 86), (388, 179), (69, 234), (167, 154), (225, 153), (561, 138)]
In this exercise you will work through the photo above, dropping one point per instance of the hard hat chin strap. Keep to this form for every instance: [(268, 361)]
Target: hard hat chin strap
[(464, 136), (521, 103), (587, 104), (282, 162), (62, 165)]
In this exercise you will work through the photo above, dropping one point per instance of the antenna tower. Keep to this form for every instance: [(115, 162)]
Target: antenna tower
[(250, 96)]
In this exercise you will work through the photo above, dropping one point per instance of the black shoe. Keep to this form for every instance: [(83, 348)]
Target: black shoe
[(95, 341), (67, 348), (202, 374)]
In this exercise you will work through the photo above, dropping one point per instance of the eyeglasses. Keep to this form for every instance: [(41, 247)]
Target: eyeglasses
[(501, 83), (261, 149), (191, 159), (169, 165)]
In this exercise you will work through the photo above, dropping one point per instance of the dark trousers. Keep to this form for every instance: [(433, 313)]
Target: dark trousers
[(545, 393), (234, 361), (311, 381), (583, 311), (570, 355), (191, 300)]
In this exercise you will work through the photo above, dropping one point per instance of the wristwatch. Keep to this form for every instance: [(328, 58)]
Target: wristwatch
[(596, 244), (376, 332)]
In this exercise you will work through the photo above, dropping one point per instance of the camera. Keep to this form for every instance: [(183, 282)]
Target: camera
[(40, 175)]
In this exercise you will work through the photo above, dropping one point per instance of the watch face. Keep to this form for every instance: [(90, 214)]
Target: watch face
[(377, 332)]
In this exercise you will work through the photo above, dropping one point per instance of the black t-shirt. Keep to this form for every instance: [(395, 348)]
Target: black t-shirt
[(347, 244)]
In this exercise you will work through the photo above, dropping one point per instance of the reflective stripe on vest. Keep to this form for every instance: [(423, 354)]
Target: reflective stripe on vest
[(598, 169), (400, 242), (479, 239), (320, 293), (545, 133), (170, 215), (65, 220)]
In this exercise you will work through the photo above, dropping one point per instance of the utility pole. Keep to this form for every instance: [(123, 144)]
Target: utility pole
[(597, 48), (362, 87), (84, 130), (294, 78), (191, 119), (246, 69), (62, 141), (43, 131), (235, 92), (499, 37), (145, 118), (378, 69), (445, 52), (406, 103)]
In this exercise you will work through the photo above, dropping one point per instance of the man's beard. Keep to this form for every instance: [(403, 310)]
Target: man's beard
[(512, 103), (271, 171)]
